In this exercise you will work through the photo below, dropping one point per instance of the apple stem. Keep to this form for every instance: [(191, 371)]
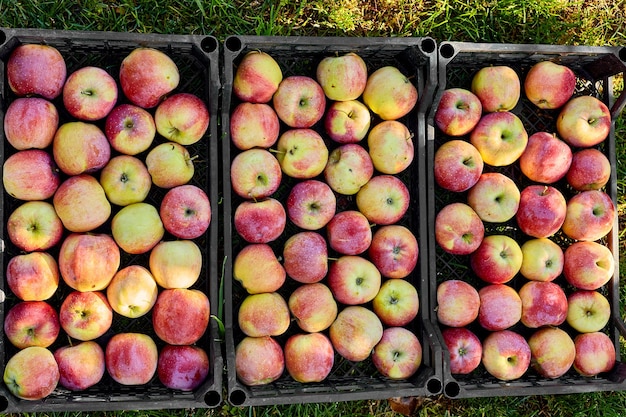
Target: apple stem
[(332, 259), (277, 151)]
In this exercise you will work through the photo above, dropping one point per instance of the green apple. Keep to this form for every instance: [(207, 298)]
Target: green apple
[(349, 168), (542, 260), (137, 228), (390, 145), (498, 87), (125, 180), (169, 165), (389, 93)]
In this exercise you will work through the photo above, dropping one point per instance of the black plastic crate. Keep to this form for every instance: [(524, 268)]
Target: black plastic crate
[(197, 58), (415, 57), (594, 68)]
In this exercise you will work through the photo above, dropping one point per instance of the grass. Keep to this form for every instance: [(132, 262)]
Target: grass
[(577, 22)]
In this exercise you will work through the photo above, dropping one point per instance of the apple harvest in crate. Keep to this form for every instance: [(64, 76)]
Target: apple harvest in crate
[(104, 224), (522, 217), (322, 173)]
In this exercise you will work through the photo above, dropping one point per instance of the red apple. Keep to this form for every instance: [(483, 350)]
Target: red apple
[(398, 354), (130, 129), (552, 351), (394, 250), (260, 221), (500, 137), (302, 153), (311, 204), (80, 147), (465, 349), (259, 360), (590, 170), (256, 77), (458, 111), (299, 101), (85, 315), (353, 280), (34, 226), (305, 257), (313, 307), (180, 316), (497, 260), (543, 304), (254, 125), (495, 197), (182, 118), (349, 232), (255, 174), (263, 314), (546, 158), (30, 123), (549, 85), (590, 215), (457, 165), (500, 307), (588, 265), (506, 355), (542, 210), (458, 303), (595, 354), (309, 357), (81, 366), (31, 323), (397, 302), (33, 276), (89, 93), (32, 373), (186, 211), (343, 77), (347, 121), (131, 358), (36, 69), (498, 87), (458, 229), (384, 199), (588, 311), (30, 174), (81, 203), (88, 261), (146, 75), (584, 121), (182, 367)]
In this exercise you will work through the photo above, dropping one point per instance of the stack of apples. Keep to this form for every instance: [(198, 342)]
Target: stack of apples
[(319, 199), (527, 212), (84, 156)]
